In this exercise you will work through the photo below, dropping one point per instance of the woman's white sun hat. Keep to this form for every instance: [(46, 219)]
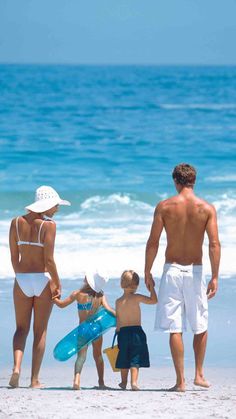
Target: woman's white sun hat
[(46, 198), (96, 281)]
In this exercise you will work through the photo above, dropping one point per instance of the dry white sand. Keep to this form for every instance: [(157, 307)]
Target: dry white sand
[(58, 400)]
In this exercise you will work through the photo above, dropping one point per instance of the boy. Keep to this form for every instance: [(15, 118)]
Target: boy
[(132, 342)]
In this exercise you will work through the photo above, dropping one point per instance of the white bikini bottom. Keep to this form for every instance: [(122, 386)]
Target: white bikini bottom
[(32, 284)]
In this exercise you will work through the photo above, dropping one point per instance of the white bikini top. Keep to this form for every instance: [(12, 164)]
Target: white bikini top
[(20, 242)]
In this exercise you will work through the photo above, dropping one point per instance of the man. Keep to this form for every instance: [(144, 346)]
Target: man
[(183, 292)]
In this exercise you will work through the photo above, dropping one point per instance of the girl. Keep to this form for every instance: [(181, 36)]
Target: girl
[(89, 298)]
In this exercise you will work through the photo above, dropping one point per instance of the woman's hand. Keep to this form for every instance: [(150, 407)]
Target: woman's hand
[(55, 290), (56, 301)]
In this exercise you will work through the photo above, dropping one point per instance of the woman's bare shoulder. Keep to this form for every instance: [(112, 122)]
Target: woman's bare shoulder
[(13, 221), (17, 221), (48, 225), (19, 218), (48, 222)]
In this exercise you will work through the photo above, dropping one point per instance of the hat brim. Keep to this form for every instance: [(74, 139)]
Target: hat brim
[(90, 277), (46, 204)]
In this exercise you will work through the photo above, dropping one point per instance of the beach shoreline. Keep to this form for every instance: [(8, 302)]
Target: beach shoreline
[(57, 399)]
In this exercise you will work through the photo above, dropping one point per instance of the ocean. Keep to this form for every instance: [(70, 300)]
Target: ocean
[(107, 138)]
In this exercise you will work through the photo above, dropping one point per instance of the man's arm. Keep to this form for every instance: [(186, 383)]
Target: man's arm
[(153, 243), (214, 252)]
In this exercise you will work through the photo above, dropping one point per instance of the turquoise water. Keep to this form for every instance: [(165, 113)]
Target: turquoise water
[(121, 129), (107, 138)]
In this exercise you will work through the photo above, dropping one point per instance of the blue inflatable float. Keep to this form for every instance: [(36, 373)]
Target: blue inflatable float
[(84, 334)]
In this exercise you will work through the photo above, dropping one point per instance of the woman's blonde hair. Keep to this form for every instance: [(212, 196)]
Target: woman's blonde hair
[(129, 279)]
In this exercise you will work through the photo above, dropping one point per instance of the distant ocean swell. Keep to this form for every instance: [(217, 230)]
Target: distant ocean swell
[(110, 233), (199, 106)]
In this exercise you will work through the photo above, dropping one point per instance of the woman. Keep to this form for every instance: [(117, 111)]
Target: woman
[(32, 238)]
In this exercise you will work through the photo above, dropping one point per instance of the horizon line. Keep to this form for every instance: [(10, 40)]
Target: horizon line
[(52, 63)]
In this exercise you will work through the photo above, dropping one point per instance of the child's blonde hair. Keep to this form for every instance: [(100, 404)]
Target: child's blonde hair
[(129, 279)]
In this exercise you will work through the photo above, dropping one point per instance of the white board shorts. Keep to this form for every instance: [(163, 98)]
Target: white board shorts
[(182, 296)]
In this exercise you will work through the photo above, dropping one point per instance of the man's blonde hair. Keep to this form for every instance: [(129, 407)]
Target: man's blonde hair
[(129, 279)]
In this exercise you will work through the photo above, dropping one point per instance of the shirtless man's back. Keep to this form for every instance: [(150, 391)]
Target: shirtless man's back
[(185, 219), (183, 293)]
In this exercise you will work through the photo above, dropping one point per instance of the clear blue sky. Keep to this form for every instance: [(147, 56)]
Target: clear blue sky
[(118, 31)]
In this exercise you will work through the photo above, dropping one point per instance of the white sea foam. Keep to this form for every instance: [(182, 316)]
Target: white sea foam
[(224, 178), (201, 106), (111, 232)]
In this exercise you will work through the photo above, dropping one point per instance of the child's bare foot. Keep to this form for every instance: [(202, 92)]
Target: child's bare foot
[(123, 385), (14, 380), (36, 384), (202, 382), (76, 383), (179, 388), (134, 387)]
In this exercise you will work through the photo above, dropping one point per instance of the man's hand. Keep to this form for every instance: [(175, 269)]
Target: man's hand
[(212, 288), (149, 281)]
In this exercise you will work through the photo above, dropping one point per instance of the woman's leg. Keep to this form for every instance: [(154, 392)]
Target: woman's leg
[(42, 310), (23, 311), (97, 354), (81, 357)]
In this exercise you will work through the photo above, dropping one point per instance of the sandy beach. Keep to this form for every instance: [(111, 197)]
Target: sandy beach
[(153, 401), (57, 399)]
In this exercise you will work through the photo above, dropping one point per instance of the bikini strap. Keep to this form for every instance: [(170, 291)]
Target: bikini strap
[(17, 229), (40, 228)]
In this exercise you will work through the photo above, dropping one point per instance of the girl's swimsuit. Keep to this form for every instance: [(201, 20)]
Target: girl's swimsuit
[(86, 306), (31, 284)]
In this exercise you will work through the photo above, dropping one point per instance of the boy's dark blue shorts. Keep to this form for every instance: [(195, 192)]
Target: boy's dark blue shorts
[(133, 350)]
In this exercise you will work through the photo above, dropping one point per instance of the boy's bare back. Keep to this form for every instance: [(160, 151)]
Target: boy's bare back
[(128, 311)]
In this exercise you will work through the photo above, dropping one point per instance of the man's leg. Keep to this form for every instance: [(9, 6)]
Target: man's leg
[(177, 352), (199, 346)]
